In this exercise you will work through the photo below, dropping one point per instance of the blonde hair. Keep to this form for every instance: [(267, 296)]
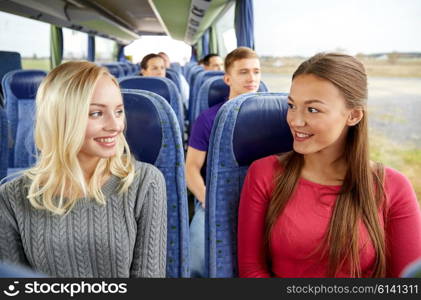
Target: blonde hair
[(62, 108)]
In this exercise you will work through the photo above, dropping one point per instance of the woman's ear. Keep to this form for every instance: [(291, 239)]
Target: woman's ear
[(355, 117)]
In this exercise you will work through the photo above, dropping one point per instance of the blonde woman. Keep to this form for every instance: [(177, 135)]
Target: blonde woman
[(87, 208)]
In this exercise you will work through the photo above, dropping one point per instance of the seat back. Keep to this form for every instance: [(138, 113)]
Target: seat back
[(133, 69), (186, 68), (213, 91), (198, 82), (161, 86), (10, 61), (246, 128), (192, 72), (176, 67), (126, 68), (154, 137), (174, 77), (413, 270), (20, 88), (115, 69), (4, 138), (182, 87)]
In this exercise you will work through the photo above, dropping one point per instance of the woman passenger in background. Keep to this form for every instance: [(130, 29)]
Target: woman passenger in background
[(324, 209), (87, 208), (152, 65)]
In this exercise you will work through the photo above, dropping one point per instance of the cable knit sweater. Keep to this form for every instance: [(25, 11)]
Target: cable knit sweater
[(124, 238)]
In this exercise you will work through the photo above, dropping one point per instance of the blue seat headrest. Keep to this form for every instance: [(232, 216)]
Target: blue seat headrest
[(156, 85), (143, 126), (114, 69), (10, 61), (218, 92), (170, 74), (126, 68), (24, 85), (251, 128)]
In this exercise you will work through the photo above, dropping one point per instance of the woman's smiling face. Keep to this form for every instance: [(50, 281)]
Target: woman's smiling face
[(106, 121), (317, 116)]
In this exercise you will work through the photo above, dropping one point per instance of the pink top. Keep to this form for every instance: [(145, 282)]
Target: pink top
[(301, 227)]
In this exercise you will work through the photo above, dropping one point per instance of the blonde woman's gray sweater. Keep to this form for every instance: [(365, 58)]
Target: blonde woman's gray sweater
[(124, 238)]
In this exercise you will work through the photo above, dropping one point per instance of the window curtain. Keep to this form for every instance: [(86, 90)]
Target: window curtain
[(244, 23), (91, 48), (56, 46)]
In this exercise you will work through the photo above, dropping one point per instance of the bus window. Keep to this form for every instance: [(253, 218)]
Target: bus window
[(28, 37), (105, 50), (178, 51), (227, 41), (75, 45)]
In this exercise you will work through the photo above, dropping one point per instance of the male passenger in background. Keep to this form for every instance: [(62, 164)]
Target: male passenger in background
[(152, 65), (242, 75), (212, 62), (166, 59)]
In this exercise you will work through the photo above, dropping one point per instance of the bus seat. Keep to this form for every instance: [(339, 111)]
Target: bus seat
[(12, 270), (192, 73), (178, 79), (413, 270), (10, 61), (126, 68), (133, 69), (153, 135), (4, 138), (176, 67), (20, 88), (115, 69), (161, 86), (263, 87), (246, 128), (213, 91), (187, 67), (200, 79), (174, 76)]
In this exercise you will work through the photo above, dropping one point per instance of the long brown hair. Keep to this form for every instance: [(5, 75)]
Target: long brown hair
[(361, 195)]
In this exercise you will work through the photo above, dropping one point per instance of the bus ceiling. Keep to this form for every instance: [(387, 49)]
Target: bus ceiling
[(187, 20), (125, 20)]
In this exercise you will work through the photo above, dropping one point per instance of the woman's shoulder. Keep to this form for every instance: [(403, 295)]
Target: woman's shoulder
[(395, 179), (267, 163), (147, 172), (264, 169), (16, 184), (145, 167), (13, 193), (397, 187)]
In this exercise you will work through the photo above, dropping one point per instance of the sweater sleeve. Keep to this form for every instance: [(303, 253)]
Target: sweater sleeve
[(11, 248), (149, 259), (254, 202), (403, 224)]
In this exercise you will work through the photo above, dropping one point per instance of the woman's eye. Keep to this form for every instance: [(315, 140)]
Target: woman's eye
[(119, 112), (290, 105), (95, 114), (313, 110)]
